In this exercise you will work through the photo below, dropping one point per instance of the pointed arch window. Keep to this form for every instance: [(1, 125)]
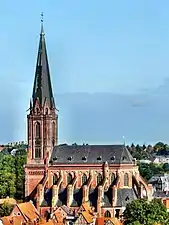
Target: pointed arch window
[(37, 153), (69, 178), (46, 111), (38, 130), (84, 179), (37, 111), (55, 179), (112, 178), (126, 179), (99, 179), (107, 214)]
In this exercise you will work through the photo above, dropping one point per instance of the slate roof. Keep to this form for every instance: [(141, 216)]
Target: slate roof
[(124, 196), (42, 89), (94, 154)]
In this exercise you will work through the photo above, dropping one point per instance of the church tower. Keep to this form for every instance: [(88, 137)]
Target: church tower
[(42, 119)]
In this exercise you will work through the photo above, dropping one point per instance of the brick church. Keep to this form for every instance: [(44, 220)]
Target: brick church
[(104, 176)]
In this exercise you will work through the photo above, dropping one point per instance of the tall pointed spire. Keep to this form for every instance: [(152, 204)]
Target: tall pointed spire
[(42, 90)]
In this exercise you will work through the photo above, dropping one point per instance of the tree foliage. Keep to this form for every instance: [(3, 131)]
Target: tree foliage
[(141, 211), (12, 174), (5, 209), (149, 170)]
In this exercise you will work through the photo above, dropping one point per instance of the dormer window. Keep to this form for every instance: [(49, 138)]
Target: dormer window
[(113, 158), (84, 158), (55, 158), (70, 158), (99, 158)]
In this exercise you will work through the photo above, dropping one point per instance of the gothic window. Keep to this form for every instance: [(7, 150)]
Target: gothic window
[(46, 111), (84, 179), (55, 179), (37, 153), (126, 179), (99, 179), (112, 178), (38, 130), (107, 214), (37, 111), (69, 178)]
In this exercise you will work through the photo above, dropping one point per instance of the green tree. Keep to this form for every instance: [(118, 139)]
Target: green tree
[(20, 160), (5, 209), (141, 211), (149, 170), (12, 174), (166, 167), (7, 176)]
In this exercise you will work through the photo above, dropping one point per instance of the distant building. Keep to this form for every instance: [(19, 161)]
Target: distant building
[(159, 159), (104, 176), (160, 183)]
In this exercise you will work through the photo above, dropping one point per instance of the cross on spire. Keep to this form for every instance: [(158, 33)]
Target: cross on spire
[(42, 30), (42, 17)]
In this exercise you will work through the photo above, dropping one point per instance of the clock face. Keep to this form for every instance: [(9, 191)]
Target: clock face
[(108, 222)]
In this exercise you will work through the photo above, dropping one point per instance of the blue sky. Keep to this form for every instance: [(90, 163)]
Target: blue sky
[(118, 47)]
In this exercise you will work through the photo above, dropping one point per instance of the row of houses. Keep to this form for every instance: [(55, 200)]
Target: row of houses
[(27, 214)]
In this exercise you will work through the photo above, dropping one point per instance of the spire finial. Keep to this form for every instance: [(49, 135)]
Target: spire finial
[(42, 30), (42, 17)]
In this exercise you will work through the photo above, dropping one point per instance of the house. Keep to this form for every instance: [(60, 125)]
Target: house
[(158, 159), (160, 183), (22, 213)]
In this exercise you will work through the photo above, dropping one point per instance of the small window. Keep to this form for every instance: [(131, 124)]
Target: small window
[(70, 158), (55, 179), (69, 178), (112, 178), (99, 179), (99, 158), (84, 179), (107, 214), (46, 111), (37, 111), (37, 130), (126, 179), (19, 214), (84, 158), (113, 158), (37, 153)]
